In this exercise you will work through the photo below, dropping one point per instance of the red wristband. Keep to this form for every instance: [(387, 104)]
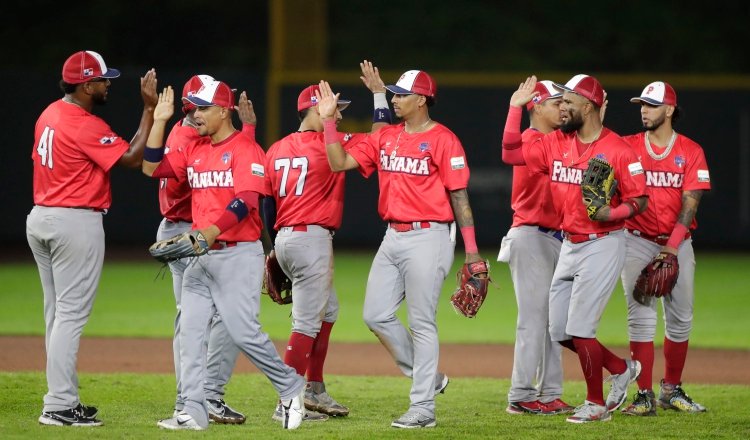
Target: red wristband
[(678, 234), (470, 241), (620, 212), (330, 134)]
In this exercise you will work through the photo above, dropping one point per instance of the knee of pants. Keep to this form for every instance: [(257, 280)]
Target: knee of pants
[(678, 332), (376, 321), (641, 330)]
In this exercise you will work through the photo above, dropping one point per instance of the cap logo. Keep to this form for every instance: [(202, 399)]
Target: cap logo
[(314, 99), (88, 72), (536, 99), (650, 89)]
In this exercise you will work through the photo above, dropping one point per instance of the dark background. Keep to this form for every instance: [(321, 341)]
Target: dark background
[(700, 50)]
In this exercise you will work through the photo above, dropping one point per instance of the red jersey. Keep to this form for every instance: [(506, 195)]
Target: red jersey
[(216, 173), (682, 169), (174, 193), (298, 175), (531, 198), (415, 171), (73, 153), (556, 154)]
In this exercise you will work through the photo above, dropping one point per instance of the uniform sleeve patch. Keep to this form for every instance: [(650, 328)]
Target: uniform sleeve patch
[(458, 163), (635, 168), (703, 176), (107, 140), (258, 170)]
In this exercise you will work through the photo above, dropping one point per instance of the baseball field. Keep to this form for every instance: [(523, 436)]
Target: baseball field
[(125, 362)]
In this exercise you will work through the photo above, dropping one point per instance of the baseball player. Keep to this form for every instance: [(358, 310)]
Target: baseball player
[(309, 199), (175, 206), (531, 249), (73, 153), (676, 177), (422, 175), (593, 251), (226, 173)]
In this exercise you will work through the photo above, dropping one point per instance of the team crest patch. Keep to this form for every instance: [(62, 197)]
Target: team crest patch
[(703, 176), (107, 140), (424, 146), (601, 156), (225, 157), (347, 137), (679, 161), (635, 168), (458, 163), (257, 170), (88, 72)]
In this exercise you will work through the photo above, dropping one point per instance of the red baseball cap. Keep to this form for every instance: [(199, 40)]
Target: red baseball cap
[(84, 66), (657, 93), (414, 82), (546, 91), (307, 99), (586, 86), (211, 93), (193, 85)]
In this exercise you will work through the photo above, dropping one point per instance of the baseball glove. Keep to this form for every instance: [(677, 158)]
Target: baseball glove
[(275, 282), (657, 279), (472, 289), (598, 185), (187, 244)]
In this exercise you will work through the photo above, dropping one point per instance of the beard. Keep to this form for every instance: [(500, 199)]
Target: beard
[(655, 124), (99, 98), (571, 124)]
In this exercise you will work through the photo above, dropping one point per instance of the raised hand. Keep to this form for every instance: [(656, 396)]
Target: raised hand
[(148, 89), (245, 110), (327, 100), (525, 92), (371, 77), (165, 107)]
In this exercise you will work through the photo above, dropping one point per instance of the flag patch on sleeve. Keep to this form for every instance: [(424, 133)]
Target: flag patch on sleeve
[(703, 176), (258, 170), (635, 168), (458, 163)]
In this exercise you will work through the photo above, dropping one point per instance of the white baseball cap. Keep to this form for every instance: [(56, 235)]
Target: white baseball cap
[(657, 93)]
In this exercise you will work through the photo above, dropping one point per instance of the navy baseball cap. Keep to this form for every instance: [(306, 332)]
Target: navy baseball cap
[(86, 65)]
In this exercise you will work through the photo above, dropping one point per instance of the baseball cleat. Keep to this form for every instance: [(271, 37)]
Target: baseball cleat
[(441, 383), (618, 393), (70, 417), (644, 404), (556, 406), (674, 397), (182, 421), (412, 420), (590, 412), (317, 399), (293, 411), (533, 407), (220, 412), (310, 416)]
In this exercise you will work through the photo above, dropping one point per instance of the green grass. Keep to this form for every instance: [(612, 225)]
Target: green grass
[(132, 301), (130, 405)]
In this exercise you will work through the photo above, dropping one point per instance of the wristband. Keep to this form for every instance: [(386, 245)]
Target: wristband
[(381, 115), (470, 242), (330, 134), (678, 234), (379, 100), (153, 155), (620, 212)]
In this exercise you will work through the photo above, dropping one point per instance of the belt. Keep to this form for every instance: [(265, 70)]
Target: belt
[(218, 245), (303, 228), (87, 208), (406, 227), (658, 239), (582, 238), (553, 232)]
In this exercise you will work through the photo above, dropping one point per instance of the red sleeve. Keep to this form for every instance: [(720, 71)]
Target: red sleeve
[(164, 169), (630, 175), (97, 141), (453, 167), (696, 171), (535, 155), (248, 168), (366, 153)]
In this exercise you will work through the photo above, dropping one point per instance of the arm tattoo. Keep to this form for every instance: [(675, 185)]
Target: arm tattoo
[(461, 208), (690, 201)]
